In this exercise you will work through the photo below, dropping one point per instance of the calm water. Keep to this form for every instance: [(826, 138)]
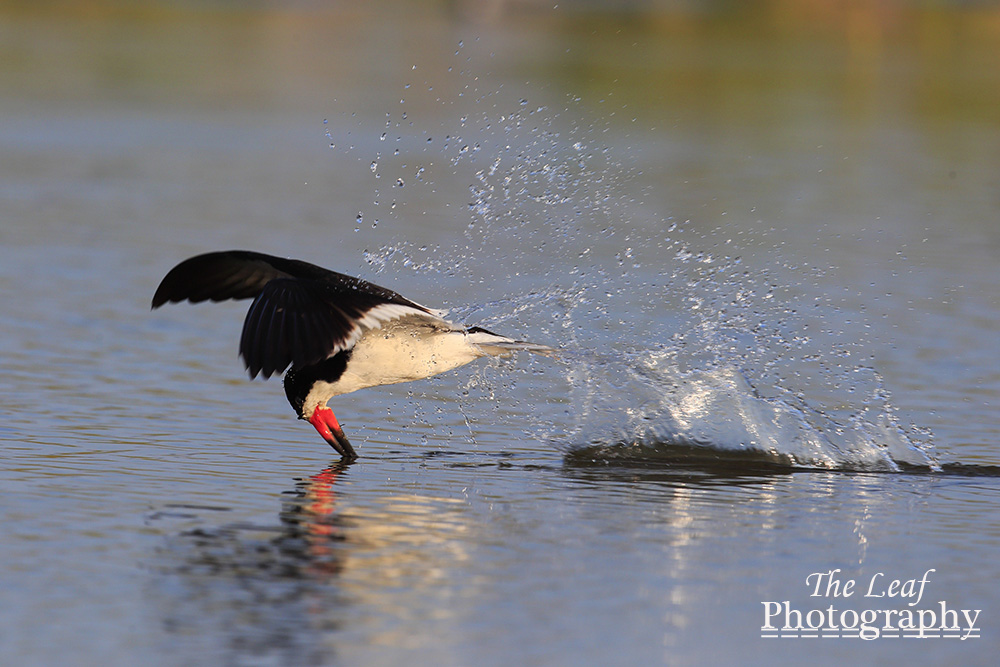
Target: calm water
[(767, 243)]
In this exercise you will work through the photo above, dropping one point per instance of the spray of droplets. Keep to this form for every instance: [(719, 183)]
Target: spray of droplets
[(673, 333)]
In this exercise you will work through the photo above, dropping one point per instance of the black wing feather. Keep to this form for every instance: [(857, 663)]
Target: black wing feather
[(218, 276), (318, 326), (242, 274), (301, 313)]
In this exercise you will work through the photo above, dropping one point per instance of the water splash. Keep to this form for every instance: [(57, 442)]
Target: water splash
[(709, 337), (726, 345), (642, 406)]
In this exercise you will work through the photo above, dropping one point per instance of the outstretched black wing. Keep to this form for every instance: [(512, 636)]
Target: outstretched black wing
[(301, 313)]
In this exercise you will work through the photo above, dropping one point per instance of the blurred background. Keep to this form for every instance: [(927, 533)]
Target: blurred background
[(857, 140)]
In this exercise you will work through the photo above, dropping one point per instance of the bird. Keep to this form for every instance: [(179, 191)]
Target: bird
[(334, 333)]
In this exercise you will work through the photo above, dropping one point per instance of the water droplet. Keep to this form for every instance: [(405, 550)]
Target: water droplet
[(399, 182), (374, 166)]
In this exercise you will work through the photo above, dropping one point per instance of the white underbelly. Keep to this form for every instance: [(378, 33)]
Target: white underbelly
[(401, 354)]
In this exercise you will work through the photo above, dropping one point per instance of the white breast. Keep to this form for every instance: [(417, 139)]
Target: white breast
[(400, 351)]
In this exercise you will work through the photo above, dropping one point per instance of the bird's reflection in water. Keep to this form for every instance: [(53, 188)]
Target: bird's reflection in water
[(283, 594), (312, 526), (264, 594)]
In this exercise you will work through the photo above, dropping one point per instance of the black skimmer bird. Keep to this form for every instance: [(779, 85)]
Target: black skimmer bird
[(335, 334)]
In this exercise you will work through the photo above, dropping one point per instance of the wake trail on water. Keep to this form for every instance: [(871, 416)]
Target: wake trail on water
[(641, 406)]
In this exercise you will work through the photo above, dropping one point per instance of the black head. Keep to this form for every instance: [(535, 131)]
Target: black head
[(300, 381)]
